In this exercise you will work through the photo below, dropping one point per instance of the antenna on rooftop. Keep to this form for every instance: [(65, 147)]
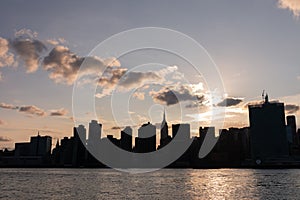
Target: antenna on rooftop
[(263, 95)]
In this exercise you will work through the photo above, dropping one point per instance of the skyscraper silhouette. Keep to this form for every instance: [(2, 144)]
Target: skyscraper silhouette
[(164, 132), (95, 129), (268, 132), (126, 139), (146, 140)]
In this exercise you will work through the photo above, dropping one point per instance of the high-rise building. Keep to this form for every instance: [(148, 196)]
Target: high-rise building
[(146, 140), (40, 145), (267, 130), (291, 123), (182, 130), (94, 132), (126, 139), (164, 132), (79, 154)]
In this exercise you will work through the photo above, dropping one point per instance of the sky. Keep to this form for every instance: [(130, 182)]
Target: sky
[(254, 44)]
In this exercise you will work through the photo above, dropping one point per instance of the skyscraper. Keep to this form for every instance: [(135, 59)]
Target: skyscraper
[(146, 140), (267, 130), (291, 122), (126, 139), (94, 132), (164, 132), (40, 145), (182, 130)]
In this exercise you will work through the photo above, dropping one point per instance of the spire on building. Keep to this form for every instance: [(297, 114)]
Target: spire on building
[(267, 98)]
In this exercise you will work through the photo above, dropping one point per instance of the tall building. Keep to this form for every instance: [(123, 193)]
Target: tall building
[(94, 132), (164, 132), (126, 139), (146, 140), (80, 133), (203, 131), (291, 123), (40, 145), (267, 131), (182, 130), (79, 154)]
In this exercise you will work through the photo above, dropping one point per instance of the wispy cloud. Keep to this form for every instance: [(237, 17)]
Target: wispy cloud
[(32, 110), (8, 106), (5, 139), (292, 5), (6, 57), (291, 108), (230, 101), (127, 80), (139, 95), (59, 112)]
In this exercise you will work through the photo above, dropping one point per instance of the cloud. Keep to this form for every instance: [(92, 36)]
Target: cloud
[(127, 80), (6, 57), (8, 106), (28, 49), (56, 42), (5, 139), (230, 101), (117, 127), (64, 65), (291, 108), (59, 112), (292, 5), (32, 110), (139, 95), (172, 95)]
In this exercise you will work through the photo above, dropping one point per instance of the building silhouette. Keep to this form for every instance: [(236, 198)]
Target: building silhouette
[(146, 140), (126, 139), (182, 130), (95, 130), (268, 131), (164, 132)]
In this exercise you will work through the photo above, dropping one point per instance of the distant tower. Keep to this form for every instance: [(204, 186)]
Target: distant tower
[(94, 132), (164, 128)]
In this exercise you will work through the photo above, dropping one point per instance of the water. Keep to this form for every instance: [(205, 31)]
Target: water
[(162, 184)]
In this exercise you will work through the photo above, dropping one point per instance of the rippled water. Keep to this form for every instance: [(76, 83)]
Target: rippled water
[(162, 184)]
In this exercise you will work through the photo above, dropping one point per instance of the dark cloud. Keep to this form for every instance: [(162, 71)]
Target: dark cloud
[(230, 101), (291, 108), (29, 50), (64, 65), (32, 110), (171, 96), (5, 139), (59, 112)]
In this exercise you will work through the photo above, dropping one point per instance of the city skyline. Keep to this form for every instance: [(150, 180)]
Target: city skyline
[(271, 140), (252, 52)]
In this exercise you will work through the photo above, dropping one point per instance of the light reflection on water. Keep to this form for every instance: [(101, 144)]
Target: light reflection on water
[(162, 184)]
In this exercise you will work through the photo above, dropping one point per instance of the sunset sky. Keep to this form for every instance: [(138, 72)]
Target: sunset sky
[(255, 44)]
